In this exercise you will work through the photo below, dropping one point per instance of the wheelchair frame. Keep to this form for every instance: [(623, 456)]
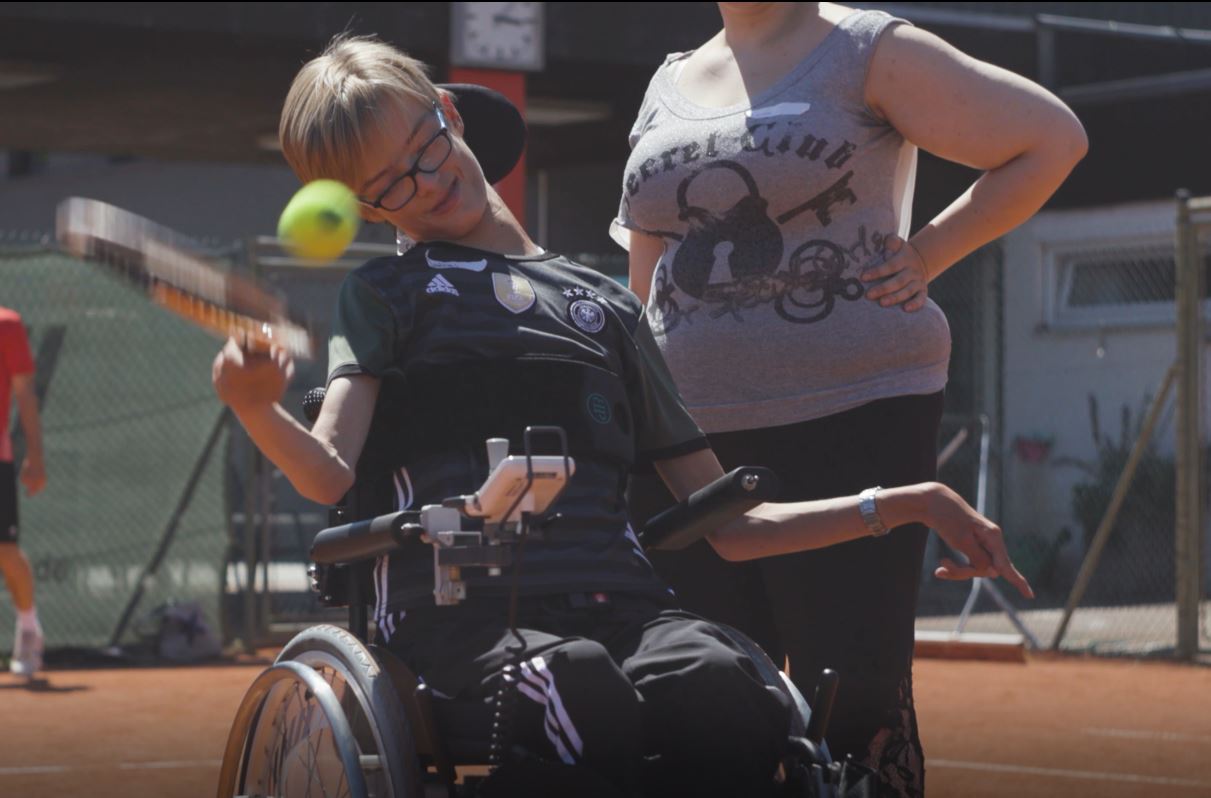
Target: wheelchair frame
[(372, 705)]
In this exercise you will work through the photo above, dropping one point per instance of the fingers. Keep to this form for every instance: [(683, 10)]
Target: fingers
[(247, 379), (885, 269), (977, 556), (891, 246), (989, 559), (993, 542), (898, 281), (229, 358), (216, 368), (916, 303), (282, 360), (909, 283), (949, 569), (912, 290), (1015, 578), (904, 284), (233, 352)]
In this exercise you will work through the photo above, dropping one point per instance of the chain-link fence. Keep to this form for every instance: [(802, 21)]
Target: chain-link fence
[(970, 453), (133, 515), (285, 522), (156, 495), (1074, 397)]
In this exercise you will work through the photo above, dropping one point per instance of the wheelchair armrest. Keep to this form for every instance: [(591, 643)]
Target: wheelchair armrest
[(710, 507), (363, 540)]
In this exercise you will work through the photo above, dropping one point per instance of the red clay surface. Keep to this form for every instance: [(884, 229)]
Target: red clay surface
[(1072, 727)]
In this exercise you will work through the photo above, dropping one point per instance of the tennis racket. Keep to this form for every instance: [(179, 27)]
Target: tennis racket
[(177, 275)]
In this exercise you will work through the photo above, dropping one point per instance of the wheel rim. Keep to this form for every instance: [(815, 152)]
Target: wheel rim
[(354, 703), (301, 746)]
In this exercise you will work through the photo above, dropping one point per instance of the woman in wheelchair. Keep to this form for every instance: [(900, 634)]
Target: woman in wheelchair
[(477, 332)]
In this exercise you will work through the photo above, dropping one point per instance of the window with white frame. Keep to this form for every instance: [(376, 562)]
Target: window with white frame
[(1113, 284)]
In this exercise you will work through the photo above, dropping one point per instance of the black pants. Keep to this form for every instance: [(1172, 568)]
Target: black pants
[(613, 685), (849, 607), (8, 502)]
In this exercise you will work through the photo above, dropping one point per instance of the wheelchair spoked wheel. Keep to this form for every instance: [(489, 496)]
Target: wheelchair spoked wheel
[(371, 704), (291, 738)]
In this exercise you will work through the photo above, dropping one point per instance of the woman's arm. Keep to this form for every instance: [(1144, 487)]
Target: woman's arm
[(777, 528), (645, 252), (320, 462), (963, 110)]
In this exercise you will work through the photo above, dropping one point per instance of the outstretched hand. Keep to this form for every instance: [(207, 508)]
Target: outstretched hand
[(976, 538)]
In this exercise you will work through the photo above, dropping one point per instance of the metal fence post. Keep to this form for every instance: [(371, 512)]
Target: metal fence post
[(1189, 444), (253, 513), (250, 631)]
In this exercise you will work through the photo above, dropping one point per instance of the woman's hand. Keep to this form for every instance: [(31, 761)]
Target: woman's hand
[(905, 278), (247, 381), (974, 536)]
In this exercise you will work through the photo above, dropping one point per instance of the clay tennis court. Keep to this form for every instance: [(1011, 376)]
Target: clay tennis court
[(1067, 726)]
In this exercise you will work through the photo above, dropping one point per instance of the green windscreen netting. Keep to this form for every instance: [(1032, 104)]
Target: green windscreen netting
[(127, 411)]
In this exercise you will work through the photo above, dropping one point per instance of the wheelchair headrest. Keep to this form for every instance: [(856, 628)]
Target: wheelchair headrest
[(495, 129)]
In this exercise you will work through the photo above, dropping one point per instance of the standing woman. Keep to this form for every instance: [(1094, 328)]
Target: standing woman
[(765, 206)]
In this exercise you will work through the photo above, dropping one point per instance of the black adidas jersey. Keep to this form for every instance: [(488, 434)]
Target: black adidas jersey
[(472, 344)]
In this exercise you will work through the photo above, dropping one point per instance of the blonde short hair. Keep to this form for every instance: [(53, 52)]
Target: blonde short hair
[(336, 95)]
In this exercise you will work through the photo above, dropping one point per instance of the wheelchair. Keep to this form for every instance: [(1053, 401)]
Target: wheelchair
[(336, 715)]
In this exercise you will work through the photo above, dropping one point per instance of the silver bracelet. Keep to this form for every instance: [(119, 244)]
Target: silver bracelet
[(870, 512)]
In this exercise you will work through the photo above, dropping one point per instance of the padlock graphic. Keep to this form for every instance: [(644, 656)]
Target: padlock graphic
[(725, 247)]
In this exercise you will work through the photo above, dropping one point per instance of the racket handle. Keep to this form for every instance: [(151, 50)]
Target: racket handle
[(313, 400)]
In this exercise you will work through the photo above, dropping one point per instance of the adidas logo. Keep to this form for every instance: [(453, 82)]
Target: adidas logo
[(440, 285)]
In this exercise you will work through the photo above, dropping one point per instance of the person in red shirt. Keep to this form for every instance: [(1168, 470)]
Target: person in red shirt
[(17, 382)]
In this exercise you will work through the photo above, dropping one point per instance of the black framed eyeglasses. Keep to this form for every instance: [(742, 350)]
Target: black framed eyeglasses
[(432, 154)]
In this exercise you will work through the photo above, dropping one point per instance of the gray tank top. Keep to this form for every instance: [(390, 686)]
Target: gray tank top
[(769, 211)]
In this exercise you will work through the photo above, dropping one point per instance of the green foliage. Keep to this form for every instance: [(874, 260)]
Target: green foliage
[(1139, 552)]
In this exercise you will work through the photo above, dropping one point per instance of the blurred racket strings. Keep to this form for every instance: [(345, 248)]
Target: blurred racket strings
[(178, 276)]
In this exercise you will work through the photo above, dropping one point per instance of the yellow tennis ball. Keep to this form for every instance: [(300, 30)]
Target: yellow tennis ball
[(320, 221)]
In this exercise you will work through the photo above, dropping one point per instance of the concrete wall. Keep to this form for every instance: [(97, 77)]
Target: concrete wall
[(1051, 370)]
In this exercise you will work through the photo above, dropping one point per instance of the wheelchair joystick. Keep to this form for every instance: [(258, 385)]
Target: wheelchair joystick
[(498, 450)]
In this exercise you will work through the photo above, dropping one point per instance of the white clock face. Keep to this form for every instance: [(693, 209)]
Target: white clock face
[(499, 34)]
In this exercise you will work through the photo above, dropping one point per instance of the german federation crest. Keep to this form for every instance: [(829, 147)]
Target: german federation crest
[(513, 291), (587, 315)]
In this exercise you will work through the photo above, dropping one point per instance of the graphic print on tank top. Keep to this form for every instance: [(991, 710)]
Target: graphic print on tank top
[(732, 254), (729, 256)]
